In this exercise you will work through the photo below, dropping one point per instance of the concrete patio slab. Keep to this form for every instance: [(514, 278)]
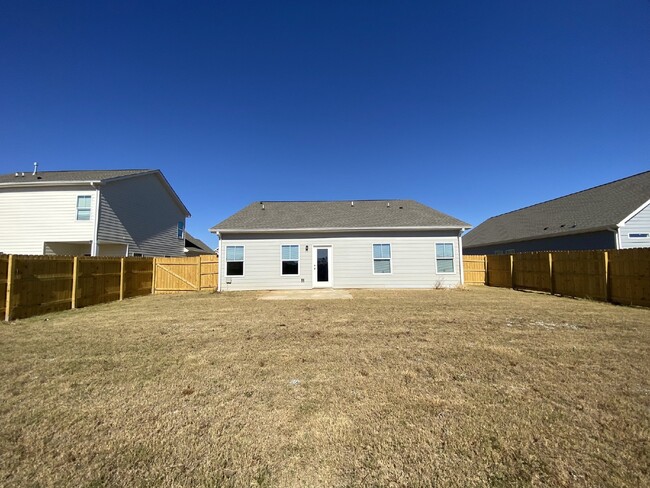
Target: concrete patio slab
[(322, 294)]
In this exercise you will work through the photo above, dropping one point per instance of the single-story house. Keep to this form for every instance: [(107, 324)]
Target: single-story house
[(339, 244), (615, 215), (130, 212)]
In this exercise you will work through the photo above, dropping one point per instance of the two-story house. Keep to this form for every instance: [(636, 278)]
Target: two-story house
[(95, 213)]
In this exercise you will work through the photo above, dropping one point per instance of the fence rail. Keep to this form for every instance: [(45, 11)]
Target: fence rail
[(618, 276), (34, 285)]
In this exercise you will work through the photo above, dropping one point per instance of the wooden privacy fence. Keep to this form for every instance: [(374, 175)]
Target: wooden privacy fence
[(174, 275), (33, 285), (618, 276)]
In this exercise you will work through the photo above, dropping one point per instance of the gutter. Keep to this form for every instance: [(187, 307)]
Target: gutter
[(214, 230), (25, 184), (220, 265), (95, 246)]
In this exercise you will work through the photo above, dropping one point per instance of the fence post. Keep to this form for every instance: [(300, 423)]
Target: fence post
[(608, 293), (10, 279), (550, 273), (153, 276), (121, 278), (486, 278), (75, 271), (512, 271)]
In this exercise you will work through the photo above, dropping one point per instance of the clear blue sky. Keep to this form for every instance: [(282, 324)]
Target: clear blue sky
[(474, 108)]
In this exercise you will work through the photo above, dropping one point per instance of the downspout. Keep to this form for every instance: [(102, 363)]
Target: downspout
[(220, 265), (94, 248), (460, 257), (618, 237)]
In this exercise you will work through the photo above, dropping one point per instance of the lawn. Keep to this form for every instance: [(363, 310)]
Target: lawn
[(477, 387)]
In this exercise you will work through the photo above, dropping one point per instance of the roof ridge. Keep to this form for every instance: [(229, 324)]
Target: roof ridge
[(568, 195), (335, 201)]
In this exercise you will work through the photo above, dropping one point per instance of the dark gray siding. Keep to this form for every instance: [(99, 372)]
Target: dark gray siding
[(576, 242), (140, 212)]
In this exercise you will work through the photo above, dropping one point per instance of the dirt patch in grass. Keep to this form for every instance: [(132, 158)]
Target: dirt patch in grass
[(481, 387)]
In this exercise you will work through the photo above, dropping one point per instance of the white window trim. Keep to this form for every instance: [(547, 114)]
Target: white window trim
[(453, 258), (182, 236), (88, 208), (390, 259), (283, 260), (631, 236), (243, 260)]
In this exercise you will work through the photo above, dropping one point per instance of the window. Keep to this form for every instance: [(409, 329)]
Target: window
[(234, 260), (83, 207), (137, 255), (180, 229), (290, 259), (445, 258), (638, 235), (381, 258)]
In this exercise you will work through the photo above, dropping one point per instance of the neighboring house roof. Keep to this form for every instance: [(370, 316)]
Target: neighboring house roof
[(334, 215), (65, 176), (599, 208), (193, 242), (53, 178)]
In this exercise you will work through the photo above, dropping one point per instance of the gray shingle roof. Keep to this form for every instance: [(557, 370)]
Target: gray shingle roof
[(81, 176), (337, 215), (197, 243), (47, 178), (596, 208)]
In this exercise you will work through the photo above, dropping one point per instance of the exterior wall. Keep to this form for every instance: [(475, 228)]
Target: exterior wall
[(140, 212), (114, 250), (639, 223), (67, 249), (575, 242), (413, 262), (29, 217)]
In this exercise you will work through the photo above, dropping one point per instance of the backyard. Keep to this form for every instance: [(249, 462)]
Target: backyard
[(473, 387)]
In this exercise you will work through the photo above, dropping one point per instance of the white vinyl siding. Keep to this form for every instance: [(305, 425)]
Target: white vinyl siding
[(32, 217), (413, 261), (638, 224), (381, 259)]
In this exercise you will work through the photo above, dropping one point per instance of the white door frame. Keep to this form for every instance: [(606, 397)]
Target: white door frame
[(330, 268)]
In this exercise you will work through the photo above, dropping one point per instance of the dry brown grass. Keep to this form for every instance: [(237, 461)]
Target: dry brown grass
[(478, 387)]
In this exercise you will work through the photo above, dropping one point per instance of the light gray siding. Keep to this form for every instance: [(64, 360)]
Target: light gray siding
[(638, 224), (140, 212), (413, 260)]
